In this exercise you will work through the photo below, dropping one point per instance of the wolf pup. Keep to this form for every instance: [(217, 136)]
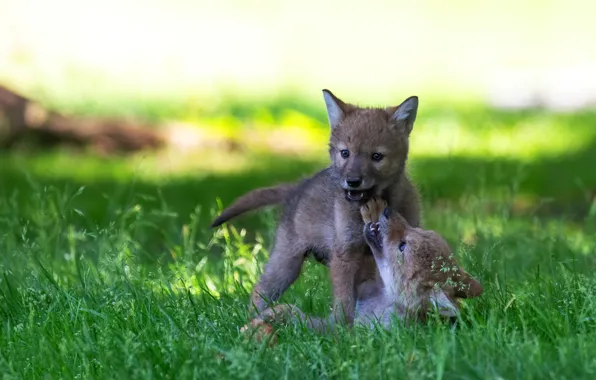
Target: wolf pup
[(418, 274), (368, 149)]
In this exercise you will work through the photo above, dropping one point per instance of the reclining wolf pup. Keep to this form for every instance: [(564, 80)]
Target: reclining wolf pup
[(368, 148), (418, 273)]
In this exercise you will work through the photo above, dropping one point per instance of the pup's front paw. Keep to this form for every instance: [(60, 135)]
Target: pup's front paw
[(260, 330), (371, 210), (279, 313)]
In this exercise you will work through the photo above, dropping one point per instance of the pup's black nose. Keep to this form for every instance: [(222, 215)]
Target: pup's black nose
[(354, 181), (386, 212)]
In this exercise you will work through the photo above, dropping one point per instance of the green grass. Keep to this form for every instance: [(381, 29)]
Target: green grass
[(108, 269)]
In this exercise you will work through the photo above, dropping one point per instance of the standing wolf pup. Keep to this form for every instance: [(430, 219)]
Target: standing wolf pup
[(368, 149)]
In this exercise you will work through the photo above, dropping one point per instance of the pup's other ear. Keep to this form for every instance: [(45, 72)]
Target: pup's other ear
[(336, 108), (406, 112), (467, 286), (439, 299)]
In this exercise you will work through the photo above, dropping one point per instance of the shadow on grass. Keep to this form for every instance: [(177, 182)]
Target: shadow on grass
[(155, 214), (152, 213), (562, 185), (567, 182)]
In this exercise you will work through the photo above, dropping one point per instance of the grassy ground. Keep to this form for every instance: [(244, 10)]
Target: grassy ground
[(108, 269)]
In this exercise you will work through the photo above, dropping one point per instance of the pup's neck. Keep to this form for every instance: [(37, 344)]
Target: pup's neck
[(394, 286), (393, 188), (400, 290)]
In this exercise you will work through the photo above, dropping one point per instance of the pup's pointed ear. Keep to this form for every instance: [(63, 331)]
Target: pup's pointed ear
[(406, 112), (336, 109), (467, 286), (439, 299)]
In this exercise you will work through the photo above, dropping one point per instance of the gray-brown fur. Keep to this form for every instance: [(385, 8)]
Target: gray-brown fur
[(255, 199), (321, 215)]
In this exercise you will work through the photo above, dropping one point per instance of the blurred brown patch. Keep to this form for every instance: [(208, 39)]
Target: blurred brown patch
[(24, 121)]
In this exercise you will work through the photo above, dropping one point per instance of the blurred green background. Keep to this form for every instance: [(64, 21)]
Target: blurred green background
[(504, 88), (503, 150)]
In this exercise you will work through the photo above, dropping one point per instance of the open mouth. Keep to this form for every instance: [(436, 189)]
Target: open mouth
[(373, 236), (358, 195)]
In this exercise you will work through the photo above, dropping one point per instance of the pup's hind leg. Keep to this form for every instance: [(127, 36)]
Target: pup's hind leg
[(261, 326), (282, 269), (292, 313)]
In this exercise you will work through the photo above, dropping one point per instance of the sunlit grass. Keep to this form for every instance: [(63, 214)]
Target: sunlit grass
[(529, 138), (108, 268), (111, 300), (151, 292)]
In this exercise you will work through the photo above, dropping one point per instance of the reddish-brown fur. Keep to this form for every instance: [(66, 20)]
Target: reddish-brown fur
[(417, 269)]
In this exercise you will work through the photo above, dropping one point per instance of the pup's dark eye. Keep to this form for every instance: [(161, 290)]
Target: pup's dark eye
[(402, 246), (377, 157), (344, 153)]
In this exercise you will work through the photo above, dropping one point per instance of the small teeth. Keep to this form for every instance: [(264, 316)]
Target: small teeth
[(374, 227), (356, 195)]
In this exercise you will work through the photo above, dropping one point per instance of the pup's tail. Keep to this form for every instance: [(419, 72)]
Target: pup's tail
[(254, 199)]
